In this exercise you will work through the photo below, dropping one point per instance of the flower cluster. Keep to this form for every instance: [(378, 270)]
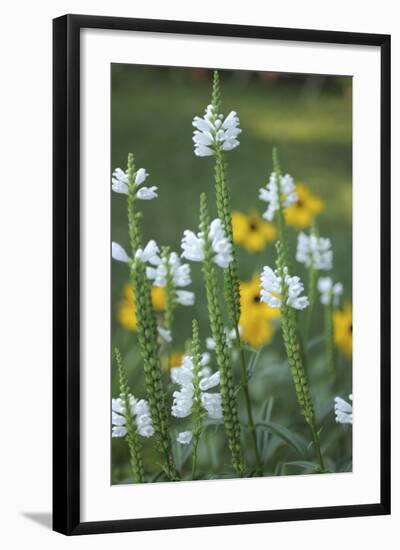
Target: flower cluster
[(141, 413), (329, 291), (270, 194), (183, 398), (213, 132), (120, 184), (313, 251), (193, 245), (272, 289), (343, 410)]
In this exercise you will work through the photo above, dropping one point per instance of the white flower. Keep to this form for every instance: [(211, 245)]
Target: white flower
[(118, 253), (184, 438), (220, 244), (210, 381), (185, 297), (119, 181), (141, 176), (270, 194), (271, 289), (183, 398), (230, 337), (313, 251), (180, 272), (165, 334), (212, 403), (149, 254), (288, 189), (139, 410), (147, 193), (343, 410), (213, 131), (193, 245), (329, 291)]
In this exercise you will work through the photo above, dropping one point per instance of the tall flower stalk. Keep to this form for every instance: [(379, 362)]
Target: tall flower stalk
[(223, 135), (229, 406), (197, 408), (147, 328), (132, 436), (279, 289)]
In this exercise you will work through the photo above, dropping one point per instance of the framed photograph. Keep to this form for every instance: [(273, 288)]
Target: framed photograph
[(221, 274)]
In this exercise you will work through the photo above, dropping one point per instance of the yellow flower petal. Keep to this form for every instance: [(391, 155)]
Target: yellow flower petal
[(343, 330), (301, 213), (251, 231)]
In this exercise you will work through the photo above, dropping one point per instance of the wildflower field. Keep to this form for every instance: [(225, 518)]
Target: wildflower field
[(231, 274)]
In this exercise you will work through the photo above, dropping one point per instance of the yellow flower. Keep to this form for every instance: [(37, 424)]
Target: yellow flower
[(301, 213), (126, 313), (256, 316), (175, 359), (251, 231), (343, 329), (158, 297)]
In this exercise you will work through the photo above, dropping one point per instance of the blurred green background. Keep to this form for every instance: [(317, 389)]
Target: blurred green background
[(309, 120)]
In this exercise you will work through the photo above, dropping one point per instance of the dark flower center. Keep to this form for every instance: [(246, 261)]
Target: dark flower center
[(351, 328), (253, 226), (256, 298)]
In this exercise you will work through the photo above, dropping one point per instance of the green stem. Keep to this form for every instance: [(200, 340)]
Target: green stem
[(245, 386), (329, 343), (229, 408), (312, 290)]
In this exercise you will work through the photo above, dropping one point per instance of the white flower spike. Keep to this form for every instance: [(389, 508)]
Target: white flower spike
[(185, 297), (271, 290), (213, 132), (313, 251), (329, 291), (343, 410), (270, 194), (118, 253), (139, 410), (183, 398)]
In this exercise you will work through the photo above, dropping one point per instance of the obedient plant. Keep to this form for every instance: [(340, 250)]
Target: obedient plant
[(130, 418), (193, 398), (211, 247), (214, 135), (129, 183)]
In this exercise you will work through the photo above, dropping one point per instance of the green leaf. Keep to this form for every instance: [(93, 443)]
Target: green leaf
[(306, 464), (285, 434), (253, 363)]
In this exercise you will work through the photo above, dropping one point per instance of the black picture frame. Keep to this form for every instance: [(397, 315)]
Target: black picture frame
[(66, 273)]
